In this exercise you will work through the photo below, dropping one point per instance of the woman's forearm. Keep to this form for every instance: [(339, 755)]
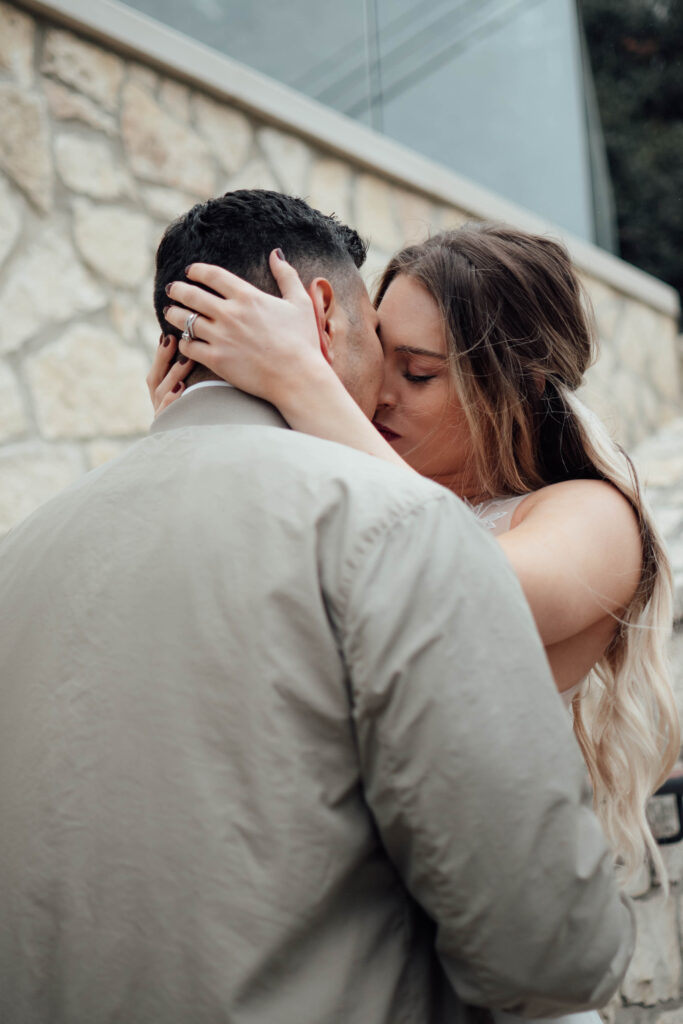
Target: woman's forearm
[(325, 409)]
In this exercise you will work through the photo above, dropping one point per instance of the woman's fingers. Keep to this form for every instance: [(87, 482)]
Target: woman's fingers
[(161, 362), (227, 285), (164, 379), (172, 384), (288, 280), (170, 398), (254, 340), (200, 352), (177, 316), (197, 300)]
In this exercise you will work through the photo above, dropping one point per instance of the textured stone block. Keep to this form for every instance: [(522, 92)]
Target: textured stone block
[(227, 132), (373, 268), (85, 67), (13, 419), (91, 167), (417, 216), (449, 218), (10, 220), (636, 338), (114, 241), (329, 188), (87, 383), (664, 369), (624, 396), (125, 318), (375, 214), (148, 328), (46, 286), (166, 203), (161, 149), (289, 159), (659, 460), (608, 306), (176, 98), (670, 1017), (604, 405), (654, 973), (142, 75), (30, 474), (17, 41), (25, 144), (255, 174), (662, 470), (67, 105)]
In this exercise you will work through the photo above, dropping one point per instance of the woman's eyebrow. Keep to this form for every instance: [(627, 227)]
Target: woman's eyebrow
[(411, 350)]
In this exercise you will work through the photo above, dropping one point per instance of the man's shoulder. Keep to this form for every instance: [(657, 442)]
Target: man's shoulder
[(297, 474), (365, 478), (364, 496)]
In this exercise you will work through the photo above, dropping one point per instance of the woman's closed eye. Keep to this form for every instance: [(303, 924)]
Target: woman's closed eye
[(416, 378)]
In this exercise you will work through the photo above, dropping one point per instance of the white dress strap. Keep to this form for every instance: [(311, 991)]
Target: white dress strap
[(495, 514)]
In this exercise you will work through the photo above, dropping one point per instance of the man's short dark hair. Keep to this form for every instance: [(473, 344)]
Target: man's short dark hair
[(239, 230)]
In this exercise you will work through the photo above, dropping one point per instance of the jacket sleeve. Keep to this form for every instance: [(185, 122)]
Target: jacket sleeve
[(472, 772)]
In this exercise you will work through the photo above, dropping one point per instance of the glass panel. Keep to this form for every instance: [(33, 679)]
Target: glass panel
[(318, 48), (491, 88)]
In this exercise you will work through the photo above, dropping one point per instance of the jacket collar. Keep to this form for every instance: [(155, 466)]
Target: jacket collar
[(215, 406)]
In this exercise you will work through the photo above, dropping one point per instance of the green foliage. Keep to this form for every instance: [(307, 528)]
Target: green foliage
[(636, 52)]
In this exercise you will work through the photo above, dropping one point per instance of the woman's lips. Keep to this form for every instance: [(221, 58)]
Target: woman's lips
[(387, 434)]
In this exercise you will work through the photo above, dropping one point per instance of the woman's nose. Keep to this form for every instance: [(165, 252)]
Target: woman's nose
[(387, 394)]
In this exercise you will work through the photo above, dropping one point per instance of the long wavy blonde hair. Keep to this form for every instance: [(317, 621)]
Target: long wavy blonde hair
[(520, 340)]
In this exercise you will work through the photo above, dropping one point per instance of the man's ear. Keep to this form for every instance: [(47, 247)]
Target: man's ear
[(326, 310)]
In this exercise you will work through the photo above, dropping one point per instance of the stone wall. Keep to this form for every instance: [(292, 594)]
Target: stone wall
[(97, 153)]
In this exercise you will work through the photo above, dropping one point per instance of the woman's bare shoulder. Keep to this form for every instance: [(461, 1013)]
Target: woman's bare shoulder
[(577, 550), (585, 501)]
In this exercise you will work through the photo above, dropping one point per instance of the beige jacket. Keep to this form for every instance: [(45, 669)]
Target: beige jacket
[(279, 745)]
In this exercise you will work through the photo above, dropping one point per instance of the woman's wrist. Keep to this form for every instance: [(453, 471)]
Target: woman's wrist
[(320, 405), (309, 385)]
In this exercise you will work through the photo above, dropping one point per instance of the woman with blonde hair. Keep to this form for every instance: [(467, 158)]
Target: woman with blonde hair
[(486, 338)]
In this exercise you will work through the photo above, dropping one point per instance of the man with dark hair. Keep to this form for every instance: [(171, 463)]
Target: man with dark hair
[(238, 231), (269, 742)]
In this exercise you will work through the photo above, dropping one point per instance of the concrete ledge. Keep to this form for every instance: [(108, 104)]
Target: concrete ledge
[(133, 34)]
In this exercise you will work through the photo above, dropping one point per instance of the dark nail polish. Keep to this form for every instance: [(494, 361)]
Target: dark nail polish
[(167, 340), (187, 269), (279, 253), (166, 309), (177, 388), (182, 360), (167, 289), (161, 338)]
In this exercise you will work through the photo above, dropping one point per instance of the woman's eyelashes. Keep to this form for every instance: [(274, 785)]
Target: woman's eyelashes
[(416, 378)]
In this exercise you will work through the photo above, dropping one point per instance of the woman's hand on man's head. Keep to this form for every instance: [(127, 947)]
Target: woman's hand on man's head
[(260, 343)]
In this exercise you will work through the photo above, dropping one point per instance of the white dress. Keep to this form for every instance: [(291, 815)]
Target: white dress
[(496, 515)]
